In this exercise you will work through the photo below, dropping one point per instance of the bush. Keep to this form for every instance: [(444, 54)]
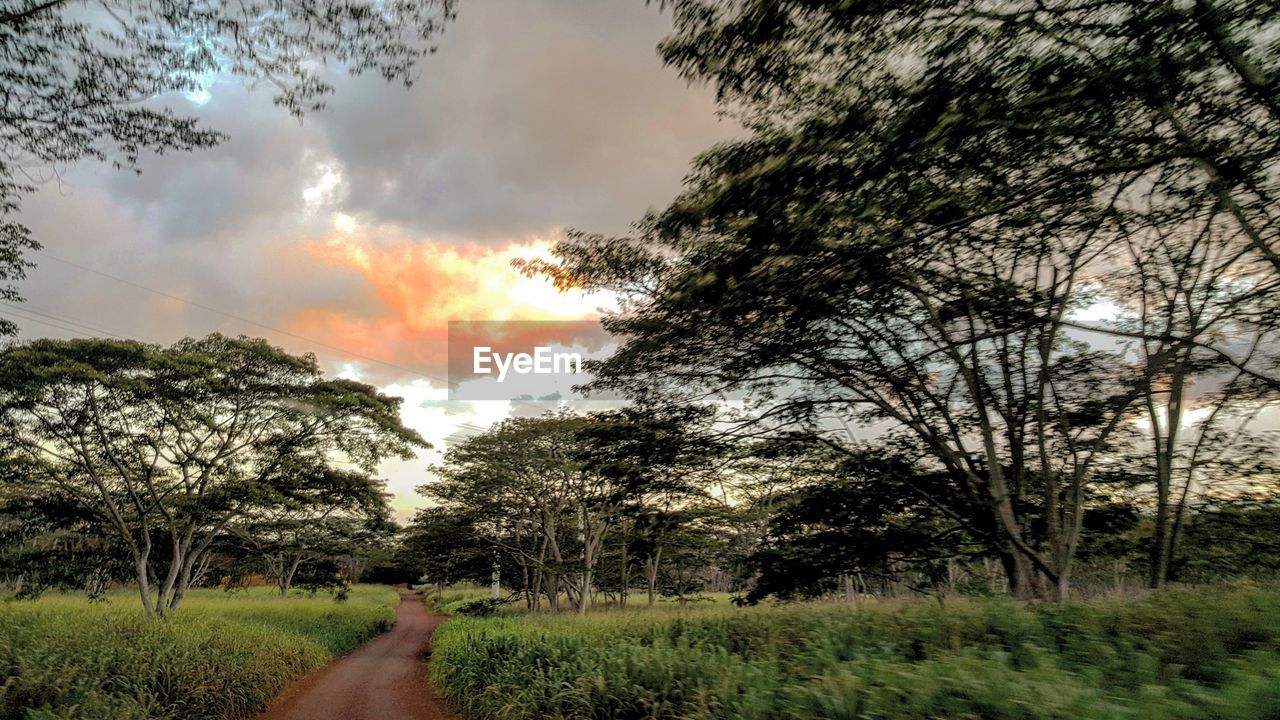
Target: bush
[(480, 608), (220, 656), (1175, 655)]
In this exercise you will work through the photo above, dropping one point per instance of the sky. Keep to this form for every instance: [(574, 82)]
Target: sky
[(358, 233)]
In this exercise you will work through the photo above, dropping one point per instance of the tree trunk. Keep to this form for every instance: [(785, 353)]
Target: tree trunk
[(624, 574), (286, 577), (184, 580), (585, 596), (1018, 569), (651, 574), (144, 586)]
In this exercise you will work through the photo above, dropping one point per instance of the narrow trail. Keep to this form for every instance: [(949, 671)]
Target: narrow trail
[(385, 679)]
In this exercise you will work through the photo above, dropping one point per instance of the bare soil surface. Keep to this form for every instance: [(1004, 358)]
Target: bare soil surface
[(385, 679)]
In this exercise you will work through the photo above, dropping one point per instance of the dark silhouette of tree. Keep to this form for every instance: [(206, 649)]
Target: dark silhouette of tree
[(928, 197)]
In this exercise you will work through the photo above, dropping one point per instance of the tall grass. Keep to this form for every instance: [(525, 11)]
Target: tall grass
[(220, 656), (448, 600), (1175, 655)]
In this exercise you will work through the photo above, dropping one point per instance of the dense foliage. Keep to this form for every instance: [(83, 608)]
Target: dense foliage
[(564, 506), (1032, 247)]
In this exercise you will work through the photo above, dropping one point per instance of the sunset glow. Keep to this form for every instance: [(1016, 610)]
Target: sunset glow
[(422, 285)]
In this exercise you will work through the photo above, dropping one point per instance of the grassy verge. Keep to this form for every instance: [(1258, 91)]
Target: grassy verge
[(448, 601), (221, 656), (1210, 654)]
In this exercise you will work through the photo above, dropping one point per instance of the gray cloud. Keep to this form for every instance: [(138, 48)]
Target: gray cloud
[(534, 114)]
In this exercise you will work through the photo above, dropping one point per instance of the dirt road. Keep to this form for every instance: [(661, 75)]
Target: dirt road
[(386, 679)]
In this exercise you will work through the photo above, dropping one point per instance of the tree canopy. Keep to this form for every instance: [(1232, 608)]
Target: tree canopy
[(1013, 236), (170, 448)]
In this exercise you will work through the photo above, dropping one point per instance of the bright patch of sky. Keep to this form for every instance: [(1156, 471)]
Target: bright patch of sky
[(325, 187), (441, 423)]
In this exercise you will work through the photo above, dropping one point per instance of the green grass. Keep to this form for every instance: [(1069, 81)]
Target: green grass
[(1181, 654), (220, 656), (447, 602)]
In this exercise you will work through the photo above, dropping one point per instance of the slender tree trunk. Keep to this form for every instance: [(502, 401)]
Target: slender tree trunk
[(651, 574), (184, 580), (624, 574), (286, 578), (1166, 441), (165, 589), (585, 597), (144, 586), (1019, 572)]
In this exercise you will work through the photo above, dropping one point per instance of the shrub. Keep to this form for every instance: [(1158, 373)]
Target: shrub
[(483, 607)]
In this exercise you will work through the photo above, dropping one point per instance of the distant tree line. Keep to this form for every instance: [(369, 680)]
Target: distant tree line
[(570, 512)]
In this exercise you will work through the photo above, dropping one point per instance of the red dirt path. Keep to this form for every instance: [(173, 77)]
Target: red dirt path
[(385, 679)]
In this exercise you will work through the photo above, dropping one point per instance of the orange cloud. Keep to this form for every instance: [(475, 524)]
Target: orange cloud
[(421, 286)]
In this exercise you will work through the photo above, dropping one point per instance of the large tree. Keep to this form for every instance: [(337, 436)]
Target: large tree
[(76, 75), (169, 446), (931, 203)]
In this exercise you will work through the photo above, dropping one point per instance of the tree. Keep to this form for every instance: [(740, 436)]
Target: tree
[(659, 463), (929, 197), (330, 515), (859, 521), (169, 446), (515, 484), (546, 493), (73, 77), (49, 541), (443, 547)]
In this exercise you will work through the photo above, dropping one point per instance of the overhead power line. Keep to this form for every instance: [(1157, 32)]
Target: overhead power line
[(39, 313), (25, 318)]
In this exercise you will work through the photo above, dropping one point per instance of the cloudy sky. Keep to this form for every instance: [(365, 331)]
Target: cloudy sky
[(360, 232)]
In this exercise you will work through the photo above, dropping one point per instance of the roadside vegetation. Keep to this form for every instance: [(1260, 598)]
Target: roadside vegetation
[(447, 601), (224, 657), (1171, 655)]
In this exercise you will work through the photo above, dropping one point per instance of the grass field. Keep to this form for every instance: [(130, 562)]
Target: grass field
[(221, 656), (1180, 654), (447, 602)]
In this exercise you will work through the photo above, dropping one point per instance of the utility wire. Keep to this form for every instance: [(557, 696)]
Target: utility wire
[(60, 318), (24, 318)]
